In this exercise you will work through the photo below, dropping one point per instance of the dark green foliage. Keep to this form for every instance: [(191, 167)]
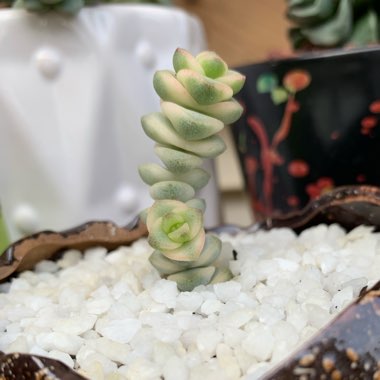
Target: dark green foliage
[(333, 23)]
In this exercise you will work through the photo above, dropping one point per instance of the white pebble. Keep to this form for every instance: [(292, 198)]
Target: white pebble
[(211, 306), (227, 361), (189, 301), (165, 292), (227, 290), (98, 305), (207, 340), (96, 253), (62, 356), (175, 369), (46, 266), (76, 324), (259, 343), (59, 341), (122, 330), (142, 369), (70, 258), (115, 351), (342, 298)]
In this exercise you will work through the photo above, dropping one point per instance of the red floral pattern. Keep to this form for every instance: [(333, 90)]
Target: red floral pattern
[(321, 186)]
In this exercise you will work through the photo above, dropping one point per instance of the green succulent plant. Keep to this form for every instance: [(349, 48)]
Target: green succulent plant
[(196, 102), (333, 23), (69, 7)]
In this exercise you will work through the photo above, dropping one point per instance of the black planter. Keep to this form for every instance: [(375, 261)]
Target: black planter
[(311, 123)]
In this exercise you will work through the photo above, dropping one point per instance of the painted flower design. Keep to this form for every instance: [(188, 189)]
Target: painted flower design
[(176, 230), (321, 186)]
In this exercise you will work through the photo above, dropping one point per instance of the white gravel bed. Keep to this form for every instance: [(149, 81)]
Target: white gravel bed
[(112, 317)]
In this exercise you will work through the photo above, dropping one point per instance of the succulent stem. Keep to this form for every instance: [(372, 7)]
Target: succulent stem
[(196, 103)]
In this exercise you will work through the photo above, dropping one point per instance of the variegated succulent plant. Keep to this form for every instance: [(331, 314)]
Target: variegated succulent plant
[(196, 103), (333, 23)]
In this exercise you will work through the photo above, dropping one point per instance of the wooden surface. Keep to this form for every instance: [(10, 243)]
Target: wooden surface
[(242, 31)]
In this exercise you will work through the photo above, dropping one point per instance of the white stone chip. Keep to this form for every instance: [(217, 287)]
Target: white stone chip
[(165, 292), (227, 290), (59, 341), (76, 324), (62, 356), (259, 343), (122, 330), (175, 369)]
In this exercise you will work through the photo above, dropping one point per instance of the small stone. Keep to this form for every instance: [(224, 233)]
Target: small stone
[(207, 340), (115, 351), (98, 305), (143, 369), (19, 284), (211, 306), (59, 341), (75, 325), (97, 365), (316, 316), (259, 343), (121, 331), (342, 298), (37, 350), (70, 258), (233, 336), (237, 318), (20, 344), (227, 361), (188, 301), (165, 292), (269, 315), (162, 352), (62, 356), (227, 290), (46, 266), (175, 369), (95, 253)]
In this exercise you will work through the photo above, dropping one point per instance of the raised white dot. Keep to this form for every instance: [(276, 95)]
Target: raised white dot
[(48, 61), (145, 53), (25, 218), (127, 199)]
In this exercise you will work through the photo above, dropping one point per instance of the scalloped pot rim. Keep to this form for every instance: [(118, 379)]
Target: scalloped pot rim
[(313, 56), (347, 205)]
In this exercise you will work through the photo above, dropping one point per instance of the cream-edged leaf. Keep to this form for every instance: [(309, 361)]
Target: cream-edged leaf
[(177, 161), (177, 190), (182, 59), (189, 251), (161, 208), (204, 90), (191, 125), (233, 79), (158, 127), (164, 265), (191, 278), (212, 64), (159, 239)]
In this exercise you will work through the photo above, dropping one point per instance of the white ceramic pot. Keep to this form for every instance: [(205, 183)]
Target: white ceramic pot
[(72, 91)]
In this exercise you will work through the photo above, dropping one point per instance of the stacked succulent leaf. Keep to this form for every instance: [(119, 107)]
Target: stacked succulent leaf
[(196, 103), (333, 23)]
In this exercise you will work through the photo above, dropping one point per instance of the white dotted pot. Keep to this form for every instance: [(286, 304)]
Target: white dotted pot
[(72, 92)]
